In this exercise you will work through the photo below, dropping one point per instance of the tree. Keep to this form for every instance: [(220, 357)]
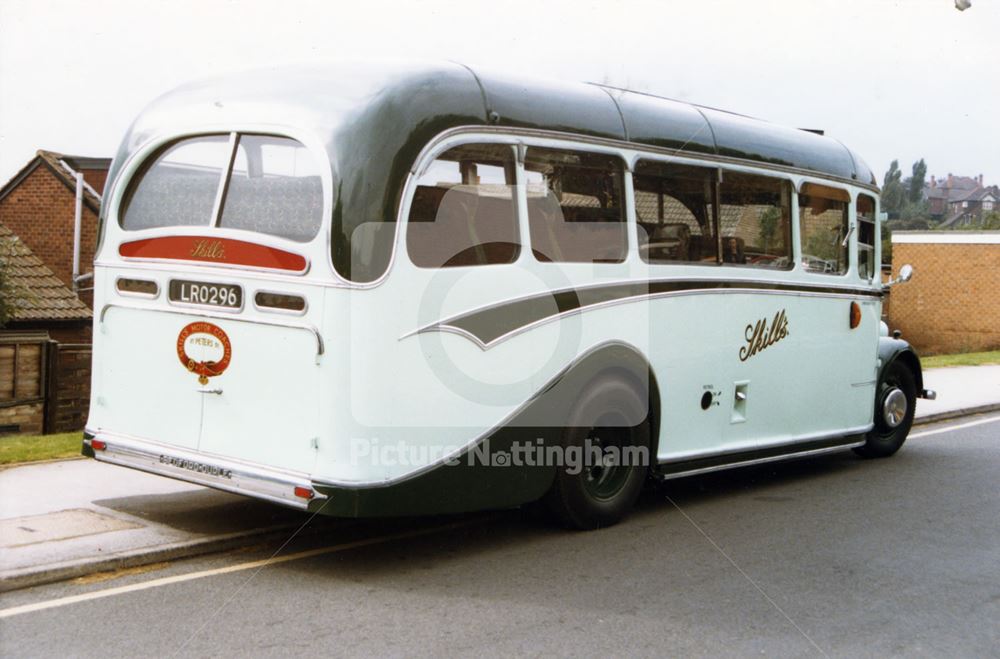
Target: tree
[(892, 189), (916, 193), (991, 221), (768, 226), (7, 293)]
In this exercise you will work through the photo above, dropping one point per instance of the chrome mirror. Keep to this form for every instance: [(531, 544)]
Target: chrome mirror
[(905, 274)]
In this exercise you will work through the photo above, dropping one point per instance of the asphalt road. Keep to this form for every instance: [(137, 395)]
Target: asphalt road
[(828, 556)]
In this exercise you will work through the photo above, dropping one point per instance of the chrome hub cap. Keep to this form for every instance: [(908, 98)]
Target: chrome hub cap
[(894, 407)]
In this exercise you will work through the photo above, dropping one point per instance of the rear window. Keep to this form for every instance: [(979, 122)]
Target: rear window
[(257, 183)]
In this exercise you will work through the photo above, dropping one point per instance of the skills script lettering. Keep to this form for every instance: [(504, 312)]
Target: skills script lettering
[(208, 249), (761, 335)]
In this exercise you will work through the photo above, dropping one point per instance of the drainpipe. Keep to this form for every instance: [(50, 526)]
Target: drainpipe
[(77, 222)]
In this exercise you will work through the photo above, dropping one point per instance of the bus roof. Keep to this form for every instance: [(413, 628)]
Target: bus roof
[(375, 118)]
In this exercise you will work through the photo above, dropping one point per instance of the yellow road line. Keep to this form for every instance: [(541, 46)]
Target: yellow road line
[(180, 578)]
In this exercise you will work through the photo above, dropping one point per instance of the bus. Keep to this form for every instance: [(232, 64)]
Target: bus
[(380, 289)]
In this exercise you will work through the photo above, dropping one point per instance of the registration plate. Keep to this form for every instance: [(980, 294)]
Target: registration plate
[(229, 296)]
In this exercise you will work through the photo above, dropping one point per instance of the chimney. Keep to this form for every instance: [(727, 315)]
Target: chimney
[(980, 180), (948, 185), (933, 181)]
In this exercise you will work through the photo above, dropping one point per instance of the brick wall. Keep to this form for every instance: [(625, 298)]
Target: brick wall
[(95, 177), (28, 418), (952, 304), (41, 211)]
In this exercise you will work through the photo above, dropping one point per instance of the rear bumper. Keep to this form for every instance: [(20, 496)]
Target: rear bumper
[(273, 485)]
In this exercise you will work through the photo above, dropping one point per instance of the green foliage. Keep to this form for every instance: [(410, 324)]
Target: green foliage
[(31, 448), (7, 293), (892, 189), (916, 191), (988, 222), (822, 245), (768, 226), (964, 359), (903, 198)]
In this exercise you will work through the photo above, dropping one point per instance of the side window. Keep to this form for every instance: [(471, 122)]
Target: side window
[(576, 207), (755, 220), (866, 236), (275, 188), (673, 206), (823, 220), (463, 211)]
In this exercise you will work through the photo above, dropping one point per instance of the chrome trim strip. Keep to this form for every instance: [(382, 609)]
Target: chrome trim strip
[(320, 346), (219, 473), (815, 437), (210, 270), (757, 461)]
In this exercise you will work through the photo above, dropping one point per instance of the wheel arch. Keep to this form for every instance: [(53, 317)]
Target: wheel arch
[(618, 360), (891, 351)]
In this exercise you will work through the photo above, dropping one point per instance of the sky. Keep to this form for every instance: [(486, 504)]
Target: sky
[(892, 79)]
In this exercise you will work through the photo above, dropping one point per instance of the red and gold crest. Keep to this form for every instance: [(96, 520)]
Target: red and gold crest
[(211, 347)]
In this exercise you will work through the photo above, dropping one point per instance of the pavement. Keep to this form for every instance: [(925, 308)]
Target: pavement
[(70, 518)]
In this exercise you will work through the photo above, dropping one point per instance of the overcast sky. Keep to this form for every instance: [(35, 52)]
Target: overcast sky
[(892, 79)]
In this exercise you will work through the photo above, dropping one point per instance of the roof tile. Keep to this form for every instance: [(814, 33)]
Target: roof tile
[(39, 295)]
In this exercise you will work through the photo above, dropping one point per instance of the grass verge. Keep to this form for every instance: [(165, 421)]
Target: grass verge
[(964, 359), (32, 448)]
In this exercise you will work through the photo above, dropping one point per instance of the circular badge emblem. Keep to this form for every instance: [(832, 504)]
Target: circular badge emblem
[(204, 350)]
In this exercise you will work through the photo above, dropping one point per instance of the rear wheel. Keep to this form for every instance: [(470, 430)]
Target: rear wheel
[(608, 430), (895, 405)]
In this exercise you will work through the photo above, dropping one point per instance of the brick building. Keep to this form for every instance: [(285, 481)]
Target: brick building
[(39, 205), (951, 305), (44, 348)]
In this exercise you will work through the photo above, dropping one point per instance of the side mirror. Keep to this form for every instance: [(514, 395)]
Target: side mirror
[(905, 275)]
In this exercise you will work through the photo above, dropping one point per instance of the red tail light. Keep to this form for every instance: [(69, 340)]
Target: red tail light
[(304, 493), (98, 445)]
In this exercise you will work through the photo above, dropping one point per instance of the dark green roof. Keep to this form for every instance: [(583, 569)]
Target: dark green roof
[(375, 117)]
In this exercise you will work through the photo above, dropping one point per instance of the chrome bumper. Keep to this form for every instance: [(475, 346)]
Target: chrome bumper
[(208, 470), (928, 394)]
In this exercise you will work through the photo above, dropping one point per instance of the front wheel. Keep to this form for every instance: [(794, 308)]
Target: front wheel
[(606, 455), (895, 405)]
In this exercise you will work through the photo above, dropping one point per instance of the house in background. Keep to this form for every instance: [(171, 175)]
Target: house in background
[(960, 200), (971, 208), (39, 205), (44, 348)]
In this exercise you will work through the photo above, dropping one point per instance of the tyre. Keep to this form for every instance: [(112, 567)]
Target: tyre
[(895, 403), (611, 417)]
